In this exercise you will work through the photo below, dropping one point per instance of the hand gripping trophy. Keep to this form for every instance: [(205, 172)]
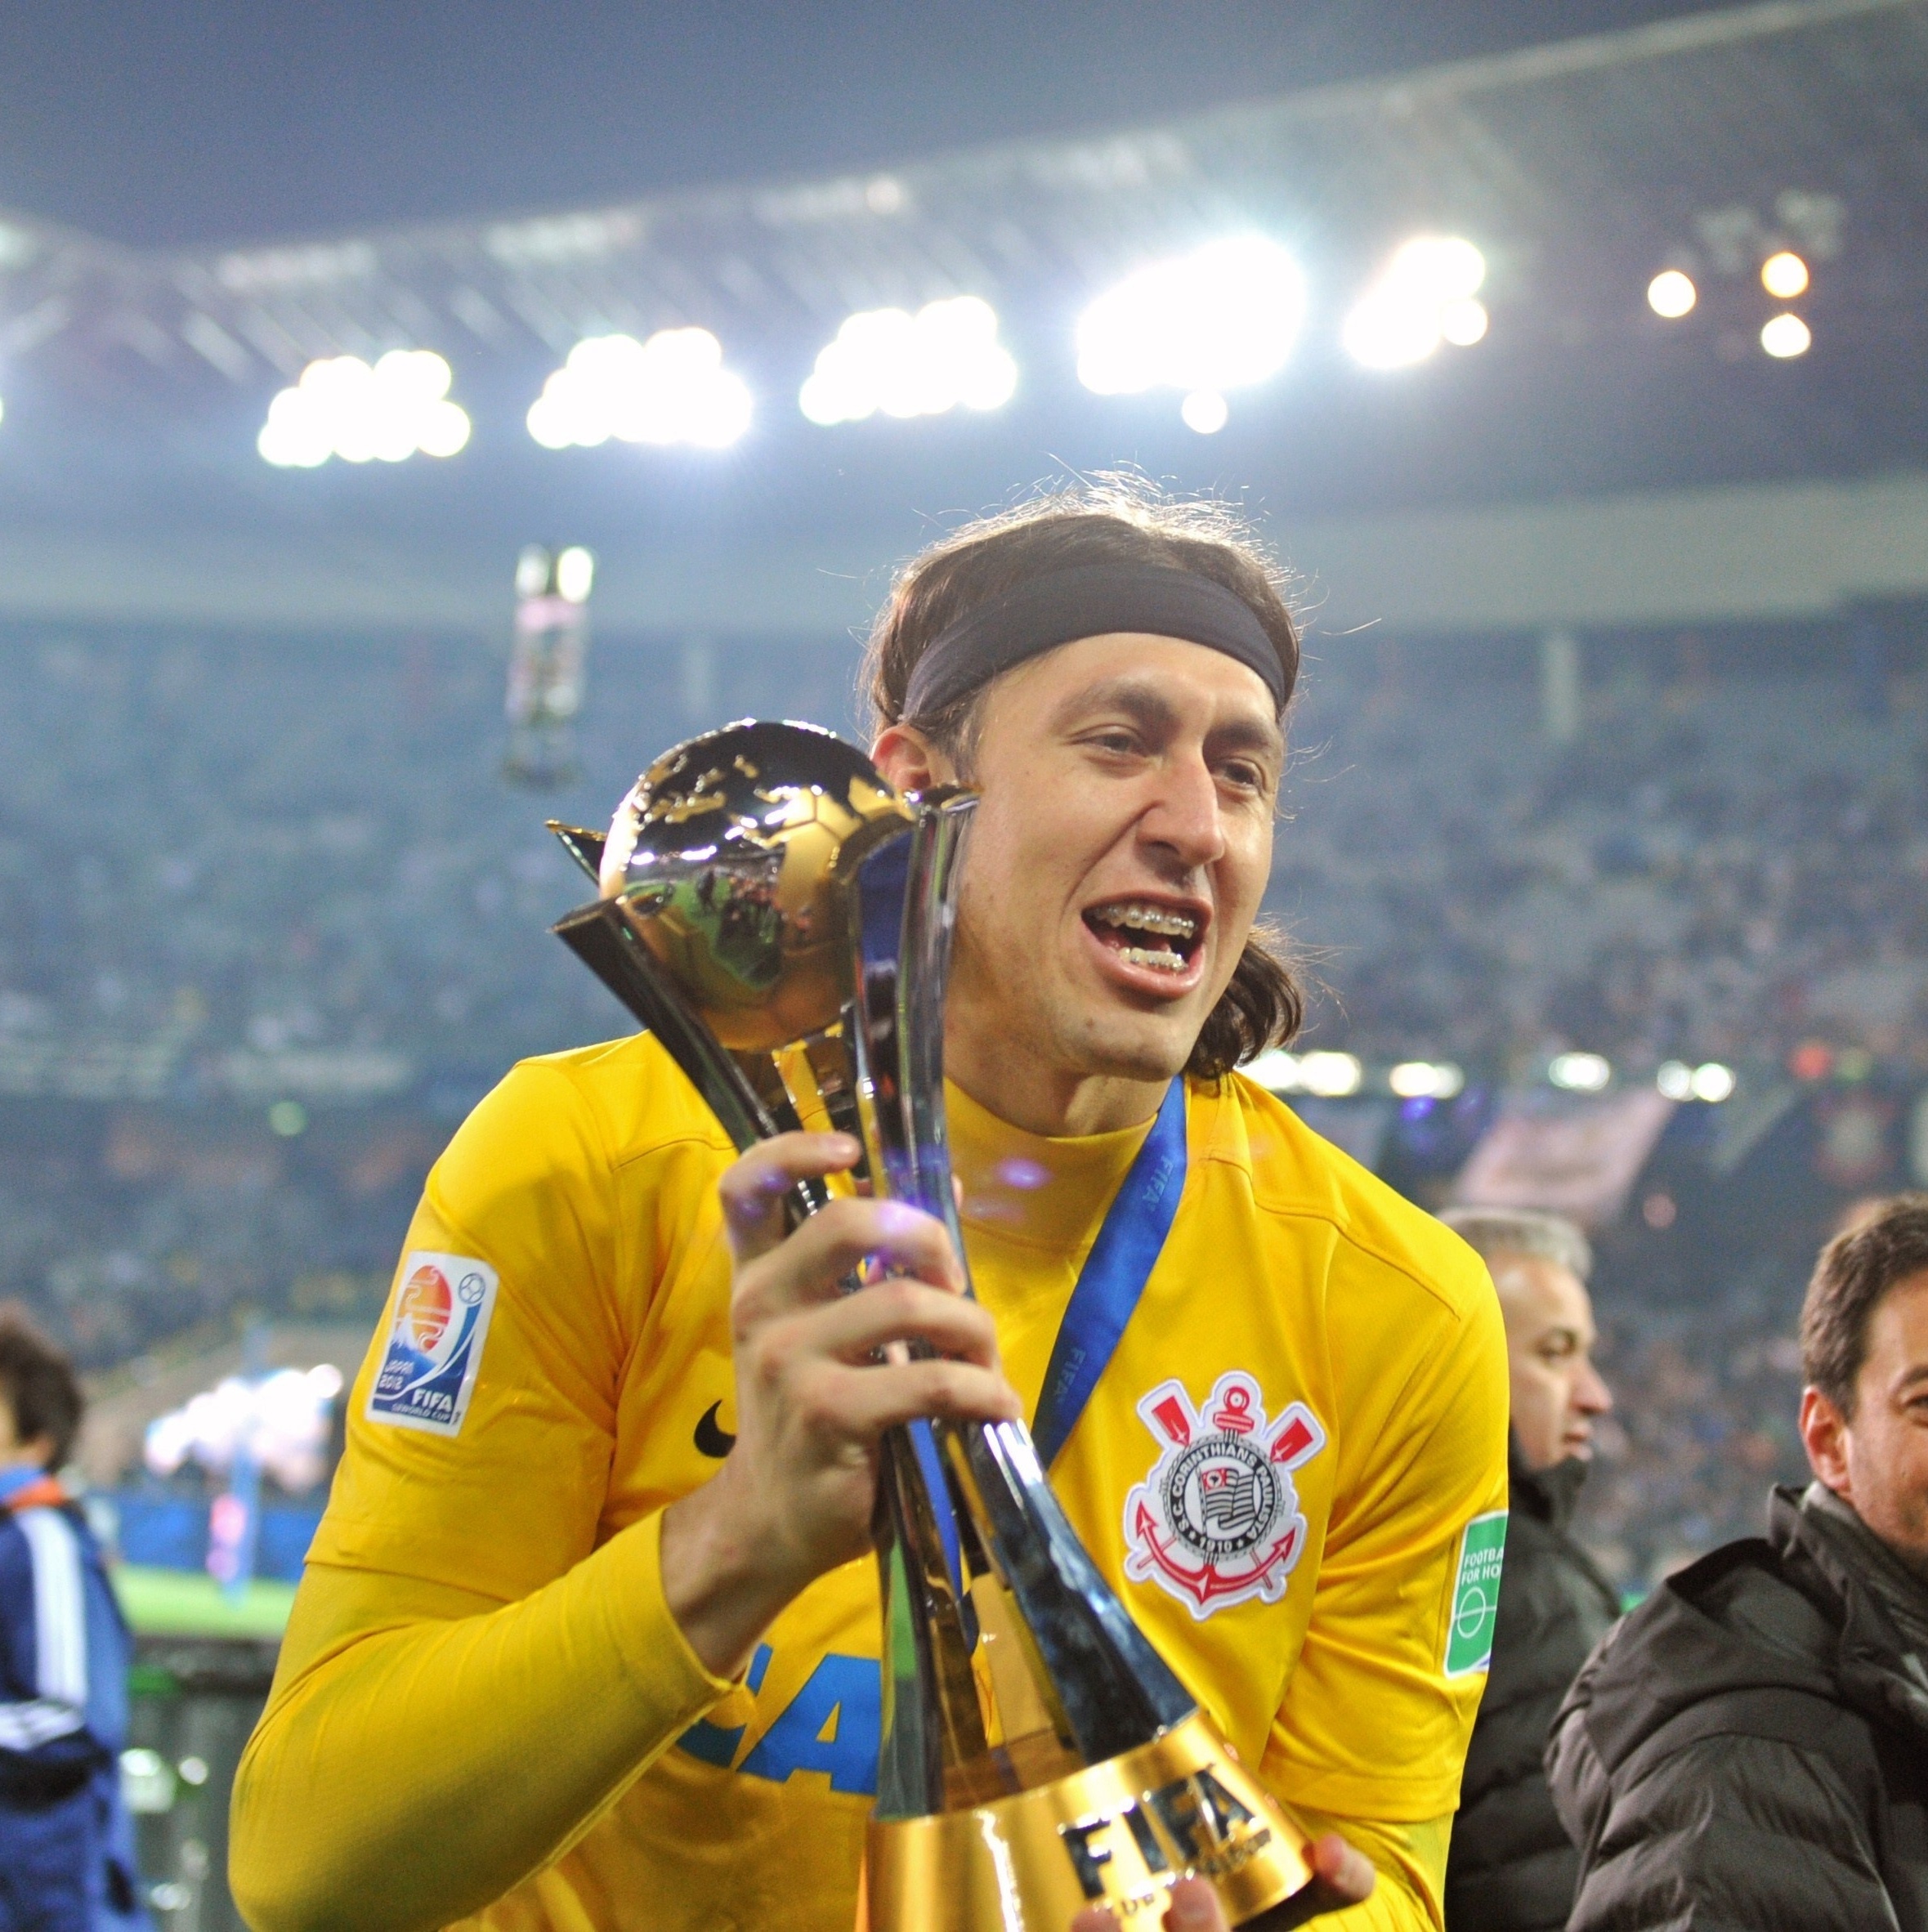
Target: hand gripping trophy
[(780, 917)]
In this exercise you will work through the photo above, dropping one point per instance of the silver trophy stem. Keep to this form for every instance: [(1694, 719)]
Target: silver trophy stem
[(966, 1526), (1103, 1687)]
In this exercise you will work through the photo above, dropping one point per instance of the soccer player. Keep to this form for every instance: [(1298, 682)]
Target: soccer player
[(589, 1636)]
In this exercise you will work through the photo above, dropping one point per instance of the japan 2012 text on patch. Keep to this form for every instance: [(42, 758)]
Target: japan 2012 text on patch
[(434, 1347)]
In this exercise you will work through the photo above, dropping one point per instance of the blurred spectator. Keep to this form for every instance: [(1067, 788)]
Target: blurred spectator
[(1716, 870), (1512, 1867), (1748, 1747), (66, 1841)]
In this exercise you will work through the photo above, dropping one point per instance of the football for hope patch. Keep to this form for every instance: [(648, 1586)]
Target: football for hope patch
[(1217, 1520), (434, 1348), (1476, 1595)]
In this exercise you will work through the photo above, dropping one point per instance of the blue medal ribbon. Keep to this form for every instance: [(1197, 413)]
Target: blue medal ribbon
[(1114, 1276)]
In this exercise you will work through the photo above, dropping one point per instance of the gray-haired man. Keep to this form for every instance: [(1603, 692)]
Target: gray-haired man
[(1512, 1867)]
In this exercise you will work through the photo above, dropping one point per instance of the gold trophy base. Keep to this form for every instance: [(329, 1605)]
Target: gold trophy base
[(1119, 1834)]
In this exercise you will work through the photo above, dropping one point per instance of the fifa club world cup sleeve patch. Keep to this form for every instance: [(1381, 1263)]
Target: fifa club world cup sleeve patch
[(1476, 1596), (434, 1347), (1217, 1521)]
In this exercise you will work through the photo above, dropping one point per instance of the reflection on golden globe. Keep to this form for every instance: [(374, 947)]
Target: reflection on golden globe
[(731, 859)]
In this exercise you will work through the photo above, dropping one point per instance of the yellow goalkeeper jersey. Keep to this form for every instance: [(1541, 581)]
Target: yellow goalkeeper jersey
[(1292, 1470)]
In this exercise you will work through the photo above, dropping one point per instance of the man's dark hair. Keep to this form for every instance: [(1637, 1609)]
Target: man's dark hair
[(1856, 1269), (38, 1383), (1115, 521)]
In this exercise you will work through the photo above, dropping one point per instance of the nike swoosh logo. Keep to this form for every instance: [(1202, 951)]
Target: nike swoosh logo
[(711, 1440)]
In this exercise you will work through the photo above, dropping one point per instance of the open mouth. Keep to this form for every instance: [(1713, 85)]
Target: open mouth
[(1144, 933)]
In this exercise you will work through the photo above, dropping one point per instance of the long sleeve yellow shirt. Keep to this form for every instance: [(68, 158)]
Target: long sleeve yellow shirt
[(484, 1709)]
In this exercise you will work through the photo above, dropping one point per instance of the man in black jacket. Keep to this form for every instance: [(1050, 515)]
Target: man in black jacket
[(1750, 1747), (1512, 1867)]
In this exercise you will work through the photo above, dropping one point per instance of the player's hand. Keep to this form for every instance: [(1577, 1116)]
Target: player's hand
[(794, 1497), (1344, 1877)]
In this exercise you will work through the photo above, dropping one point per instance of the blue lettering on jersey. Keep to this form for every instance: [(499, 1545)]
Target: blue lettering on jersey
[(716, 1744), (833, 1724)]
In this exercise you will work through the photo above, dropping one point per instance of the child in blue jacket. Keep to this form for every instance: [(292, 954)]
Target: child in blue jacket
[(66, 1842)]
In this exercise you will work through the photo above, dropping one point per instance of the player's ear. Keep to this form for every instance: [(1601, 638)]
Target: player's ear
[(1824, 1435), (910, 760)]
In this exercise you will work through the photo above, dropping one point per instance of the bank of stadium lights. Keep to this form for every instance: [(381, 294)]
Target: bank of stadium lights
[(1425, 1079), (1225, 317), (1326, 1076), (1580, 1073), (1426, 294), (673, 388), (573, 573), (1784, 275), (945, 357), (1710, 1081), (343, 407), (1672, 294), (1204, 410)]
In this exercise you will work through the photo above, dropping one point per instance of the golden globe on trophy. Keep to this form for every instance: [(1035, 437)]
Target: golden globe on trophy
[(780, 917)]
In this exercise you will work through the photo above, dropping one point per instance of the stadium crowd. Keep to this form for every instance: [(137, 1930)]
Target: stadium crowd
[(299, 885), (1712, 868)]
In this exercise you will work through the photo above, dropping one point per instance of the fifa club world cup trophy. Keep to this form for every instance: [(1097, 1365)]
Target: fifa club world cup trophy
[(780, 917)]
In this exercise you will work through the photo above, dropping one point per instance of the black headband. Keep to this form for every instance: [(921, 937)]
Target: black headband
[(1091, 600)]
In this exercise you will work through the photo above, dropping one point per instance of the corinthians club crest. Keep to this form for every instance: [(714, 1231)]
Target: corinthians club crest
[(1217, 1520)]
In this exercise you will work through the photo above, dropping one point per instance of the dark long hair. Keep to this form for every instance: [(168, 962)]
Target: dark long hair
[(1851, 1279), (1115, 520)]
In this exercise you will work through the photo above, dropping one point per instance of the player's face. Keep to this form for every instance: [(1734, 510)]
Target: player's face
[(1556, 1391), (1121, 846), (1878, 1459)]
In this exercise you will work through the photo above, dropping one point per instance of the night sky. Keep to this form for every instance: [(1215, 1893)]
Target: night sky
[(152, 122)]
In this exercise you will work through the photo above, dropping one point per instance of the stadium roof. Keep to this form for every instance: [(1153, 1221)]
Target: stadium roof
[(1580, 169)]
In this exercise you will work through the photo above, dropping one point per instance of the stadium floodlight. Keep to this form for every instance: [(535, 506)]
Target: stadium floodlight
[(1784, 275), (1275, 1070), (673, 388), (1331, 1076), (575, 571), (1422, 1080), (1785, 336), (342, 407), (1713, 1082), (1204, 410), (1672, 294), (1225, 317), (532, 571), (1580, 1073), (1425, 295), (945, 357), (1675, 1078), (1710, 1081), (1463, 322)]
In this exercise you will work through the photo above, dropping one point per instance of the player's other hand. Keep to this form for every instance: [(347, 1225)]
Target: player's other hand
[(794, 1497), (1344, 1877)]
